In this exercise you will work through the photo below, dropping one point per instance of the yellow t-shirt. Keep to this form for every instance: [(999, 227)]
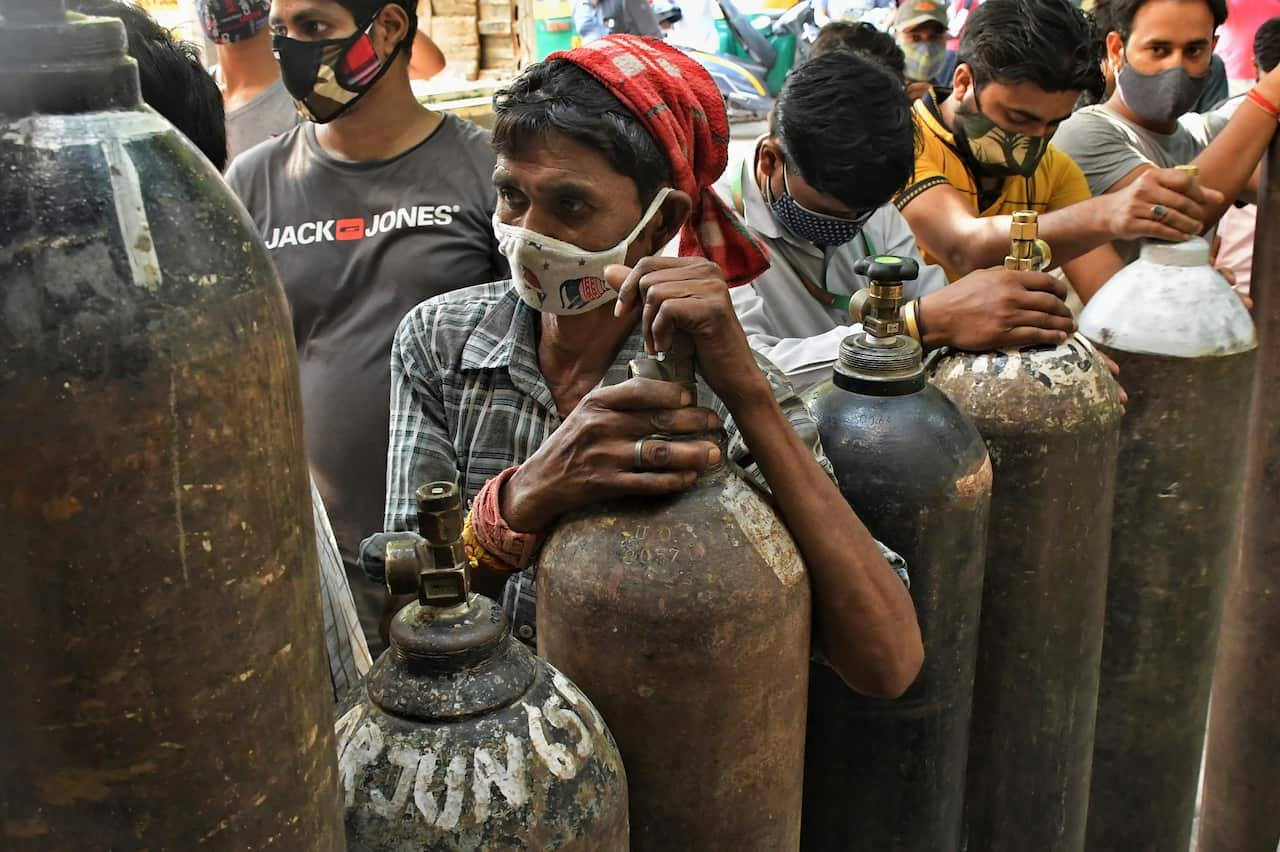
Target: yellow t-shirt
[(1057, 182)]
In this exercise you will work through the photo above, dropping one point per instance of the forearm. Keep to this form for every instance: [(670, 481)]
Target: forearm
[(862, 611), (1091, 270), (978, 243), (1231, 160), (1079, 228)]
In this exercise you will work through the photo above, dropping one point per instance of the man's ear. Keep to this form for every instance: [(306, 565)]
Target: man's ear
[(391, 27), (1115, 50), (770, 156), (666, 223), (961, 81)]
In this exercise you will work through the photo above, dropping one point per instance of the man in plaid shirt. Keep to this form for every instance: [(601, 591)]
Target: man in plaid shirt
[(518, 390)]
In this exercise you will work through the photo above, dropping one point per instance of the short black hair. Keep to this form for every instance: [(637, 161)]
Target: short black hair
[(363, 10), (1124, 11), (1266, 45), (174, 82), (863, 38), (1103, 22), (560, 97), (1048, 43), (844, 123)]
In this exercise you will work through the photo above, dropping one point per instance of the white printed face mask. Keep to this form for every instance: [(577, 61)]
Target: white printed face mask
[(556, 277)]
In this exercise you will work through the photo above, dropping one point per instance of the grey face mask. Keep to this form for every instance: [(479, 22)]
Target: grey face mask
[(1163, 97), (924, 60)]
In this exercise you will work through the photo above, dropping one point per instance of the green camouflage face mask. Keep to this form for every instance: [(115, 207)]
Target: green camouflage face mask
[(994, 150)]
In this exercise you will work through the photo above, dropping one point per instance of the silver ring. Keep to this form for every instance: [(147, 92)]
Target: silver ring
[(1159, 211), (637, 456)]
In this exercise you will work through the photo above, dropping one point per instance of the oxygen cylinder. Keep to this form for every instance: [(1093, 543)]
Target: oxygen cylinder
[(1186, 348), (1242, 767), (914, 468), (686, 619), (462, 739), (1050, 416), (165, 684)]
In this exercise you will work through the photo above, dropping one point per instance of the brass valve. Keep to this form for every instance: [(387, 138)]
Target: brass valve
[(1027, 252), (435, 567), (879, 307)]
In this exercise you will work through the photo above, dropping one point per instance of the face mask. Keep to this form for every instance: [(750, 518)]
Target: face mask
[(994, 150), (925, 59), (1160, 98), (326, 78), (817, 228), (556, 277)]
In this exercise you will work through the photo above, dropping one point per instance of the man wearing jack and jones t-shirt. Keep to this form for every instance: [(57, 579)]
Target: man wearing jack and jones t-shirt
[(370, 208)]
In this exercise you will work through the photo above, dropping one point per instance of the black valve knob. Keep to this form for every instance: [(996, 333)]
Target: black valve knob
[(886, 268)]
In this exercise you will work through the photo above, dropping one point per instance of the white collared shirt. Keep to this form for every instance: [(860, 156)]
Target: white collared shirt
[(783, 322)]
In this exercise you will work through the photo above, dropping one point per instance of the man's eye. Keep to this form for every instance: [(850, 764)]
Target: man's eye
[(572, 207)]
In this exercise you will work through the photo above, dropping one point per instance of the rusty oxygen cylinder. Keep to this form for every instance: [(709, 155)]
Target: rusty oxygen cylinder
[(914, 468), (462, 739), (1242, 768), (686, 619), (1186, 349), (165, 684), (1050, 416)]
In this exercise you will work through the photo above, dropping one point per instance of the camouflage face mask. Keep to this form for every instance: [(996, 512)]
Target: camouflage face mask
[(327, 77), (994, 150)]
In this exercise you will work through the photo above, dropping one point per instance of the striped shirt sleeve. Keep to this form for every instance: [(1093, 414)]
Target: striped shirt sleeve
[(344, 639)]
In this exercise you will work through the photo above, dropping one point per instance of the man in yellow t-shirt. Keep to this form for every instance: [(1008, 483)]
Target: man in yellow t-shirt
[(984, 153)]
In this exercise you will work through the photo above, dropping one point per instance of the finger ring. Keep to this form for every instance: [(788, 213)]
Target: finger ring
[(1159, 211), (637, 456)]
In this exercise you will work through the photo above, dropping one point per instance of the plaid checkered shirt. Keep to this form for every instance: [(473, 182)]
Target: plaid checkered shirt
[(468, 401)]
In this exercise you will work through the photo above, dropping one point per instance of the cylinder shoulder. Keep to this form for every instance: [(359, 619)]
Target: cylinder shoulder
[(918, 445), (1180, 311), (120, 230), (544, 771), (1060, 388)]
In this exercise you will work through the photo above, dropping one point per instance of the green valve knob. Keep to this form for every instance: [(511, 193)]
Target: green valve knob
[(887, 268)]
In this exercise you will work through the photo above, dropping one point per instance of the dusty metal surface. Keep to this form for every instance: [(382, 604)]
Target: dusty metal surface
[(505, 753), (1242, 769), (165, 686), (1050, 417), (462, 739), (891, 774), (1178, 493), (686, 619)]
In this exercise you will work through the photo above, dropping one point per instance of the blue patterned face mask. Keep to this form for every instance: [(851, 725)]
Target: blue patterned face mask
[(818, 228)]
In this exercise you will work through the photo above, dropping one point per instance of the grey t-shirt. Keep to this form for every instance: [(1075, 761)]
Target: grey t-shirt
[(270, 114), (1107, 147), (358, 245)]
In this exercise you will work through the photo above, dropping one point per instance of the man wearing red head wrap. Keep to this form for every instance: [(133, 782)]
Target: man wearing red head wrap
[(519, 390)]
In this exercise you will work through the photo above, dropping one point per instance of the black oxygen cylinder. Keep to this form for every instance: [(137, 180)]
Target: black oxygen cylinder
[(462, 739), (165, 684), (1050, 416), (1187, 351), (890, 773)]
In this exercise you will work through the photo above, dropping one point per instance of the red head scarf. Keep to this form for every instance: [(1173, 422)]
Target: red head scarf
[(676, 100)]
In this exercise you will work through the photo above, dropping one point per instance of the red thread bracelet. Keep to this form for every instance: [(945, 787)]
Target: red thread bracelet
[(1262, 103), (517, 549)]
